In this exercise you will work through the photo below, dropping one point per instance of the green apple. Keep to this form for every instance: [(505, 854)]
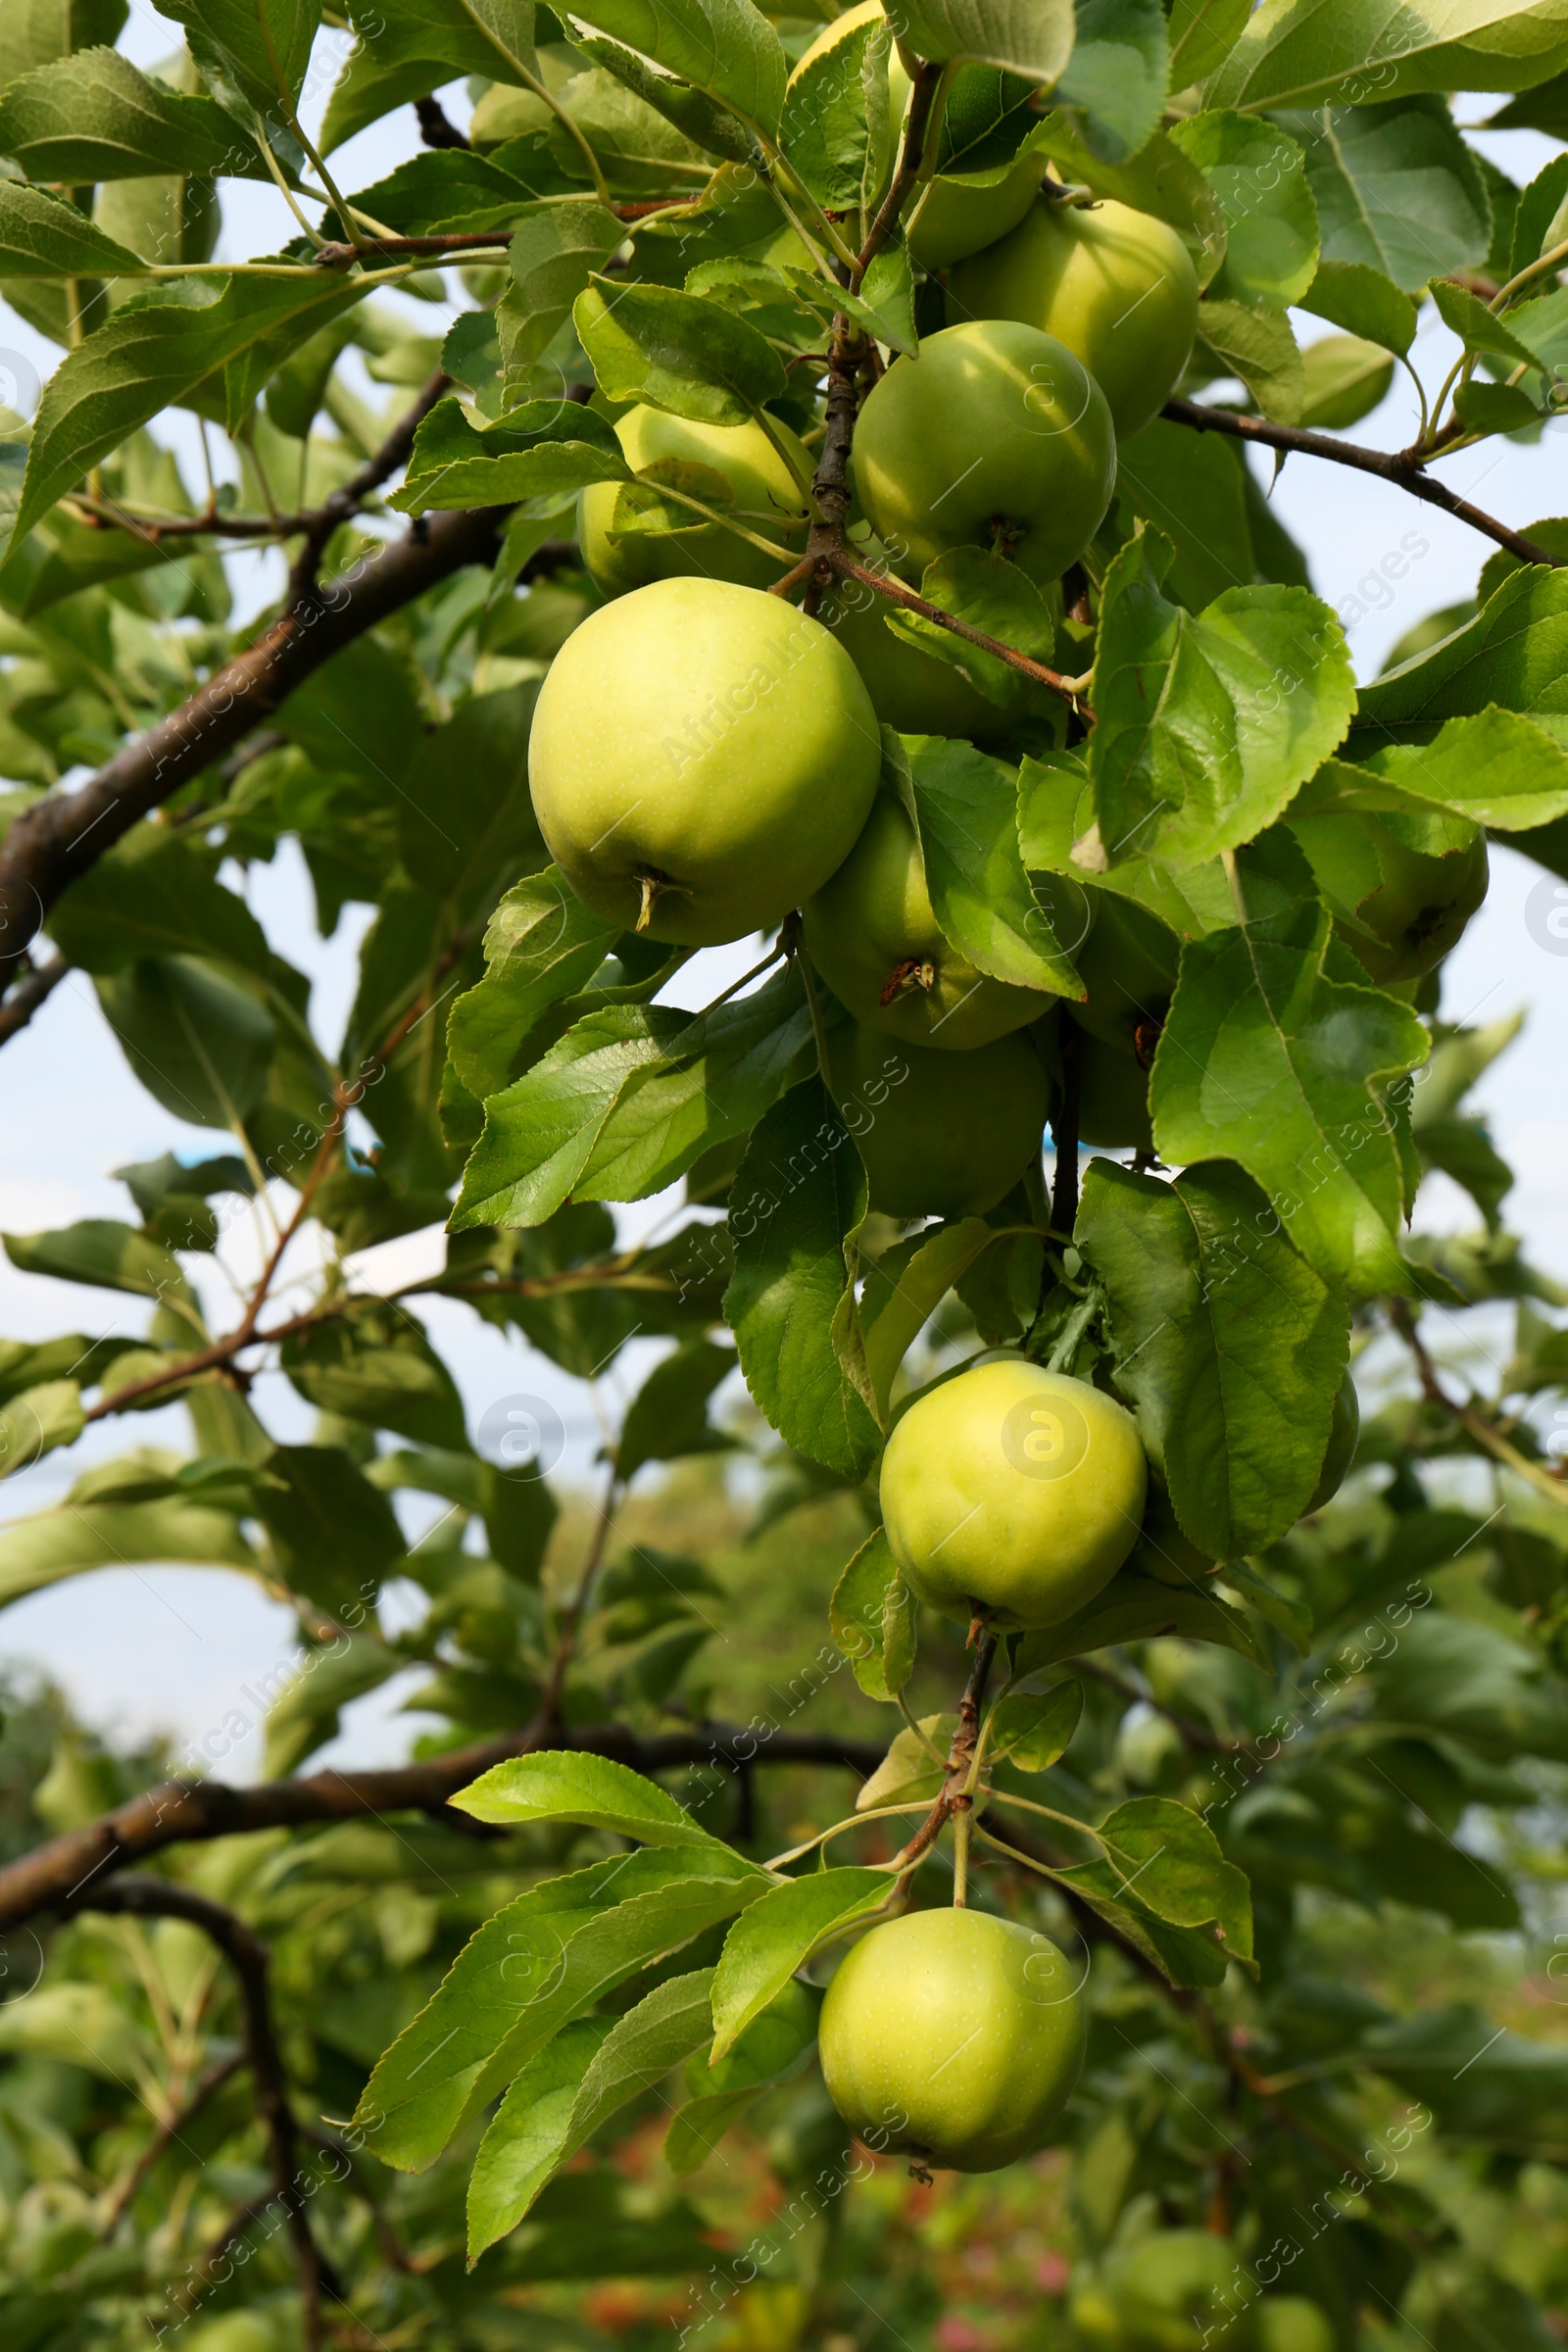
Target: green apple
[(954, 2035), (961, 211), (1178, 2291), (762, 493), (703, 756), (996, 437), (1292, 2323), (1128, 965), (1434, 878), (1013, 1488), (914, 692), (1113, 1088), (1345, 1429), (942, 1135), (1115, 285), (872, 934)]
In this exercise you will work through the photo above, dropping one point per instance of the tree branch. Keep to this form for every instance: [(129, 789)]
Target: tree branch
[(885, 585), (50, 845), (181, 1812), (175, 2128), (163, 1899), (1403, 472), (36, 986), (1491, 1439)]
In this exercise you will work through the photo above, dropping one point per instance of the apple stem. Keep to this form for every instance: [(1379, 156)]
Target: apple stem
[(960, 1853)]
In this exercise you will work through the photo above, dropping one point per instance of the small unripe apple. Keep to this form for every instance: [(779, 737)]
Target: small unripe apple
[(1180, 2291), (954, 2035), (996, 437), (942, 1135), (1013, 1488), (764, 495), (914, 692), (872, 934), (1115, 285), (1113, 1087), (1345, 1429), (1128, 965), (1292, 2323), (1435, 876), (702, 757)]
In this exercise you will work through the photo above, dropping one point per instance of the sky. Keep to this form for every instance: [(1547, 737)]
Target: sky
[(178, 1652)]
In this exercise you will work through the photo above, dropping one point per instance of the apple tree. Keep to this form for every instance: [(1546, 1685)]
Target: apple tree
[(770, 631)]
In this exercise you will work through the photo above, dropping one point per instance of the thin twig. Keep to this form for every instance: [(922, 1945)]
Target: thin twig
[(32, 991), (1467, 1416), (162, 1898), (1071, 689), (1400, 470), (168, 2132)]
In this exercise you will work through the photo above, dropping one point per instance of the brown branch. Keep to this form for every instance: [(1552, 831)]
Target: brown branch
[(1399, 469), (547, 1720), (34, 990), (922, 95), (181, 1812), (885, 585), (1491, 1439), (960, 1755), (163, 1899), (49, 845), (468, 240)]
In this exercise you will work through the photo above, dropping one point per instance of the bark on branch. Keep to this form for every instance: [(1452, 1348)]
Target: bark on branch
[(1403, 470), (178, 1812)]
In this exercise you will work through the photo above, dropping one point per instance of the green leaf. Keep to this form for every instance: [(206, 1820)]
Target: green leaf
[(200, 1043), (335, 1537), (677, 352), (1514, 652), (1169, 1860), (1295, 53), (872, 1619), (895, 1314), (151, 893), (797, 1192), (1031, 37), (33, 1423), (38, 31), (42, 237), (530, 2137), (1191, 487), (540, 1962), (1496, 769), (537, 451), (537, 2128), (1476, 326), (1365, 302), (1398, 190), (823, 129), (772, 2048), (94, 116), (990, 594), (1267, 1060), (464, 813), (308, 1711), (1032, 1729), (1498, 2089), (884, 306), (152, 354), (555, 250), (908, 1773), (1482, 407), (596, 1791), (726, 48), (265, 45), (489, 37), (1203, 33), (379, 1368), (53, 1544), (1229, 1346), (628, 1098), (668, 1417), (1258, 171), (1117, 78), (1208, 723), (1345, 380), (964, 806), (109, 1256), (700, 121), (1258, 348), (778, 1935), (541, 945)]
